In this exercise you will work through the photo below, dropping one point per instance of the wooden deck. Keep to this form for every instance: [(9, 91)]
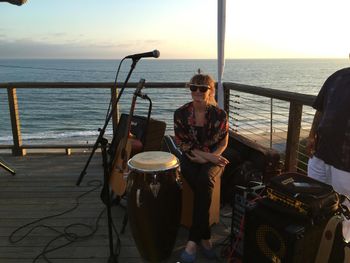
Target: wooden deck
[(44, 186)]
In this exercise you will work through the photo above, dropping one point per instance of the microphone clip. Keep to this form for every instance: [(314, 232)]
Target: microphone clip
[(142, 96)]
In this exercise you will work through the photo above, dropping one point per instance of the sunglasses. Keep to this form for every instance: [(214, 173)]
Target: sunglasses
[(195, 87)]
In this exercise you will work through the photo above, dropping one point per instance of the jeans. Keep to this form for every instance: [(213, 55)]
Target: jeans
[(201, 179)]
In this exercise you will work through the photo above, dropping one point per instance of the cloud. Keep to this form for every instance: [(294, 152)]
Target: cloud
[(77, 48)]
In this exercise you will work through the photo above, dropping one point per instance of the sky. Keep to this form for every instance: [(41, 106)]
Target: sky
[(179, 29)]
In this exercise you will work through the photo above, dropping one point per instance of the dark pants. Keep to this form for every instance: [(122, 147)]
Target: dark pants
[(201, 178)]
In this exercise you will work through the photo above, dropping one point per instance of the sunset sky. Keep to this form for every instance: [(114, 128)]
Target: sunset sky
[(111, 29)]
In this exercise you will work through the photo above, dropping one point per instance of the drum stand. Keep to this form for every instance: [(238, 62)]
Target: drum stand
[(7, 168)]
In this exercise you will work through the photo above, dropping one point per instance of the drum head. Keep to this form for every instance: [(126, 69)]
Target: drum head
[(153, 161)]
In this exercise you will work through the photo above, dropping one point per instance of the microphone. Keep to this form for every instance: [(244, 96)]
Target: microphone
[(152, 54), (15, 2)]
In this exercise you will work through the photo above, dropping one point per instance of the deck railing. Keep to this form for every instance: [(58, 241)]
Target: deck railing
[(274, 118)]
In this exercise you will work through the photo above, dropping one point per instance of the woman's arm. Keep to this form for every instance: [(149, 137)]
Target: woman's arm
[(215, 156)]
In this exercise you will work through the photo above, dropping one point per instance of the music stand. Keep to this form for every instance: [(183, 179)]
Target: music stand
[(7, 168)]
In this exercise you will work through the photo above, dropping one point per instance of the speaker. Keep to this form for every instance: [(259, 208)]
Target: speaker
[(271, 236)]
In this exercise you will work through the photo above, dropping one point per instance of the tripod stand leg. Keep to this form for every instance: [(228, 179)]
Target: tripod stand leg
[(7, 168)]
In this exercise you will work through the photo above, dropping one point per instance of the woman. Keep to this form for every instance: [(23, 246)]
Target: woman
[(201, 132)]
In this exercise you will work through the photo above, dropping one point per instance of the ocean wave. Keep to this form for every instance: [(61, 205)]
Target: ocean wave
[(81, 136)]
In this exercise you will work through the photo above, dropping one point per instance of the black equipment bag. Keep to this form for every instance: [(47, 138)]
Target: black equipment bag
[(303, 196)]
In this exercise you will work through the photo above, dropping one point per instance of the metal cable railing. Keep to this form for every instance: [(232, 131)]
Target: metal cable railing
[(264, 116)]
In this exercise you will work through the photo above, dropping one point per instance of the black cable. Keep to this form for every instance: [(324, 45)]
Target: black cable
[(68, 234), (70, 237), (114, 86)]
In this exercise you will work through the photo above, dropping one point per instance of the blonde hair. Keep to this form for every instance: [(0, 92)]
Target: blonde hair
[(202, 79)]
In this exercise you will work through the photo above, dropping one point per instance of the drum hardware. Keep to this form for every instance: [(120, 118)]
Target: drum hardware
[(154, 186), (125, 175), (7, 168), (138, 193)]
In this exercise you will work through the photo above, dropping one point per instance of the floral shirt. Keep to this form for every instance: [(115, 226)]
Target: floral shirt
[(214, 130)]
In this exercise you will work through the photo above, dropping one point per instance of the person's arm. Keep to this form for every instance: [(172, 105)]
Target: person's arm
[(312, 139), (215, 156)]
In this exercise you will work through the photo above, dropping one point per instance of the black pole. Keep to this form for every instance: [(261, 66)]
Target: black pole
[(103, 130), (112, 257)]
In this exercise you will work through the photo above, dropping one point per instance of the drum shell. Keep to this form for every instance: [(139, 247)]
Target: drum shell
[(154, 220)]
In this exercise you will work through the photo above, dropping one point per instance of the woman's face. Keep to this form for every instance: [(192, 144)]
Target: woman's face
[(200, 92)]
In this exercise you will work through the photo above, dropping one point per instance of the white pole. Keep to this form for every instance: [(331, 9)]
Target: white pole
[(221, 49)]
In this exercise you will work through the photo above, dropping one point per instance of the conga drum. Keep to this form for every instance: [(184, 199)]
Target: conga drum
[(154, 203)]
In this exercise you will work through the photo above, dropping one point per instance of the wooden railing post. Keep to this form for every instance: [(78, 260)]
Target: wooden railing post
[(17, 149), (293, 135)]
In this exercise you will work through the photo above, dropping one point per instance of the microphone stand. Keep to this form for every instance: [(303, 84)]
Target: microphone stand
[(103, 129), (103, 142)]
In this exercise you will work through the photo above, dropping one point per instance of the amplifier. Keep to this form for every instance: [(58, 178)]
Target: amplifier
[(271, 236), (303, 196), (242, 197)]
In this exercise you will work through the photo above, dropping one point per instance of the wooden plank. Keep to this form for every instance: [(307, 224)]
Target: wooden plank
[(45, 185)]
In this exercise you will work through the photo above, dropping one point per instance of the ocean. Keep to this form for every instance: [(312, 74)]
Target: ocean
[(74, 116)]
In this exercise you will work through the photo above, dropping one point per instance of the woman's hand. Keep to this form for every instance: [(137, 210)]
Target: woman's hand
[(211, 157), (195, 157), (218, 159)]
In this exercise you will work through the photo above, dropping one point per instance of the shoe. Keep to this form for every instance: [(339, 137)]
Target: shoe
[(186, 257), (208, 253)]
